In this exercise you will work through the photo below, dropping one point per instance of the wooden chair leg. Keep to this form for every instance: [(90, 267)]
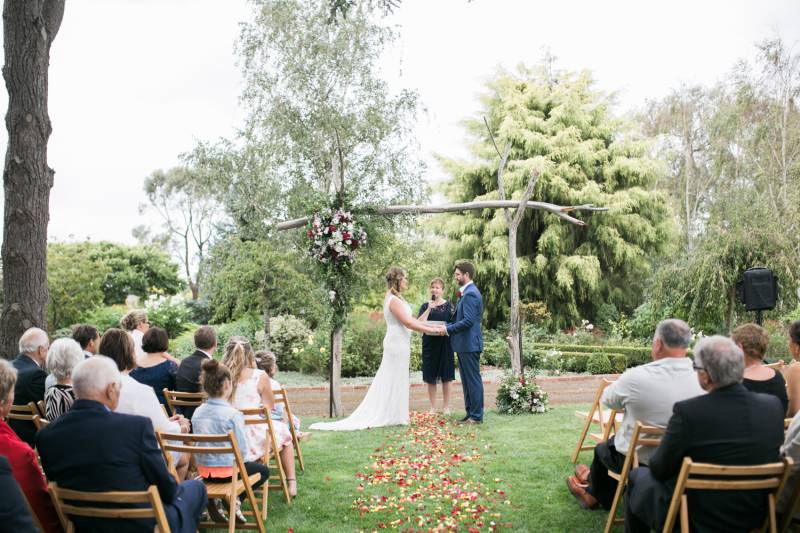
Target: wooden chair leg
[(586, 426), (684, 515), (612, 513)]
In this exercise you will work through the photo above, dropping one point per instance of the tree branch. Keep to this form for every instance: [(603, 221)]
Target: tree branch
[(559, 211), (525, 197)]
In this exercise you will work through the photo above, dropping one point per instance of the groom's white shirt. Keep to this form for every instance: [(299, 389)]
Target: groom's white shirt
[(464, 287)]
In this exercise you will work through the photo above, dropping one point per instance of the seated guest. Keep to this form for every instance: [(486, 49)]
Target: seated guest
[(188, 376), (31, 377), (137, 398), (215, 417), (252, 388), (21, 461), (136, 324), (88, 337), (753, 340), (92, 448), (266, 361), (646, 393), (14, 513), (62, 357), (792, 373), (730, 426), (156, 368)]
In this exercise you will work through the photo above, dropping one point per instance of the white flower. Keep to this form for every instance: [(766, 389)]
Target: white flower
[(331, 294), (589, 327)]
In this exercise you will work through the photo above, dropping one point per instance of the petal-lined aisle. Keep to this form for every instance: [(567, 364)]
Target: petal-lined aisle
[(416, 482)]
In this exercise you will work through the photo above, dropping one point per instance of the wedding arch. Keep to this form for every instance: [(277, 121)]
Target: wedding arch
[(337, 283)]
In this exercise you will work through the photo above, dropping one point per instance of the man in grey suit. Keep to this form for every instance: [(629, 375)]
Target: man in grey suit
[(467, 341)]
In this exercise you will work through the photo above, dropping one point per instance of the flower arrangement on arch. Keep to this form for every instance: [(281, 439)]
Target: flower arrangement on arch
[(335, 236), (521, 394)]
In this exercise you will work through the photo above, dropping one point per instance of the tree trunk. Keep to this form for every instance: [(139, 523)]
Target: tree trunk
[(29, 27), (336, 407), (514, 334)]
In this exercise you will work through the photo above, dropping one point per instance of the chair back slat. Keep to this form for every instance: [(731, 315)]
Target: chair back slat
[(67, 510), (706, 469), (40, 422), (706, 484), (769, 477), (183, 399), (24, 412)]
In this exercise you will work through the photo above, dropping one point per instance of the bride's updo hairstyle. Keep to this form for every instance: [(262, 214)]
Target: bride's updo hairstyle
[(238, 356), (394, 278)]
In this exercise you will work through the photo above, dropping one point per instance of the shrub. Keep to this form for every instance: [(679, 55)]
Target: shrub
[(416, 355), (61, 333), (362, 348), (170, 313), (517, 395), (182, 345), (244, 327), (313, 358), (104, 318), (199, 310), (288, 335), (598, 363)]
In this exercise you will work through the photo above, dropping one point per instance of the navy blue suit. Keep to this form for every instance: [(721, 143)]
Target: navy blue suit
[(29, 388), (467, 340), (91, 448), (14, 513)]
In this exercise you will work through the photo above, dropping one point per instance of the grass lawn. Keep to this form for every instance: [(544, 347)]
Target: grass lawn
[(526, 457)]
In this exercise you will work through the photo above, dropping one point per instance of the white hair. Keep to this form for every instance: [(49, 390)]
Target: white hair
[(32, 340), (93, 375), (8, 378), (62, 357), (721, 358)]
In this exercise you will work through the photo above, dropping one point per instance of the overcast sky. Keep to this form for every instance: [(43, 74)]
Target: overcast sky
[(133, 83)]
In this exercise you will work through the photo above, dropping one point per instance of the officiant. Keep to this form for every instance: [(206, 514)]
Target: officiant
[(437, 354)]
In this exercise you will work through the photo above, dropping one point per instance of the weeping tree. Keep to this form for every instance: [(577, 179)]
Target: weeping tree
[(558, 127)]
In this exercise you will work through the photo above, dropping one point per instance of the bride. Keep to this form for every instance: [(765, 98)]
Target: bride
[(386, 402)]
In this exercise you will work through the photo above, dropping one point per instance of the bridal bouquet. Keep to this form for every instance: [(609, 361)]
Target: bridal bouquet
[(335, 236), (521, 394)]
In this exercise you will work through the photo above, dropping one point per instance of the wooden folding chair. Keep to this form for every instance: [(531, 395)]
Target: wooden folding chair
[(227, 490), (792, 508), (177, 399), (649, 436), (607, 419), (66, 510), (777, 365), (42, 409), (40, 422), (771, 476), (281, 397), (24, 412), (271, 457)]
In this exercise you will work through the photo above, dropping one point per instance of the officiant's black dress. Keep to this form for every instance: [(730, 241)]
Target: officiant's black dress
[(437, 355)]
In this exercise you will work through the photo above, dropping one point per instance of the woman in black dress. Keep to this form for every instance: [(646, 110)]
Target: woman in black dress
[(758, 377), (437, 355)]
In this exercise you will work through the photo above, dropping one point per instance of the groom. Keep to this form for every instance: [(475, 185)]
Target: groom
[(467, 340)]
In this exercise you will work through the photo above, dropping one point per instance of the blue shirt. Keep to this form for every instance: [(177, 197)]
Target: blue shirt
[(217, 417)]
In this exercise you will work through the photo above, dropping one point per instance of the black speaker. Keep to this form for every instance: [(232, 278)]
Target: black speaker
[(758, 289)]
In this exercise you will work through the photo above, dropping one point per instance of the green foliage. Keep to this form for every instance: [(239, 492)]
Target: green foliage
[(169, 313), (183, 344), (245, 276), (559, 126), (288, 335), (363, 345), (598, 363), (76, 281), (139, 270), (104, 317), (314, 357), (246, 327)]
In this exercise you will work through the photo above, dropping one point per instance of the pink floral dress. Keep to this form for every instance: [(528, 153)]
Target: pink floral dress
[(247, 396)]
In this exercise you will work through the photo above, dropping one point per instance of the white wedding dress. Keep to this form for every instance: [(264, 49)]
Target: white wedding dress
[(386, 402)]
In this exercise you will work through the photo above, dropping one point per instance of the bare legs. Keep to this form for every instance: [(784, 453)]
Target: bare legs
[(445, 396), (287, 460)]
